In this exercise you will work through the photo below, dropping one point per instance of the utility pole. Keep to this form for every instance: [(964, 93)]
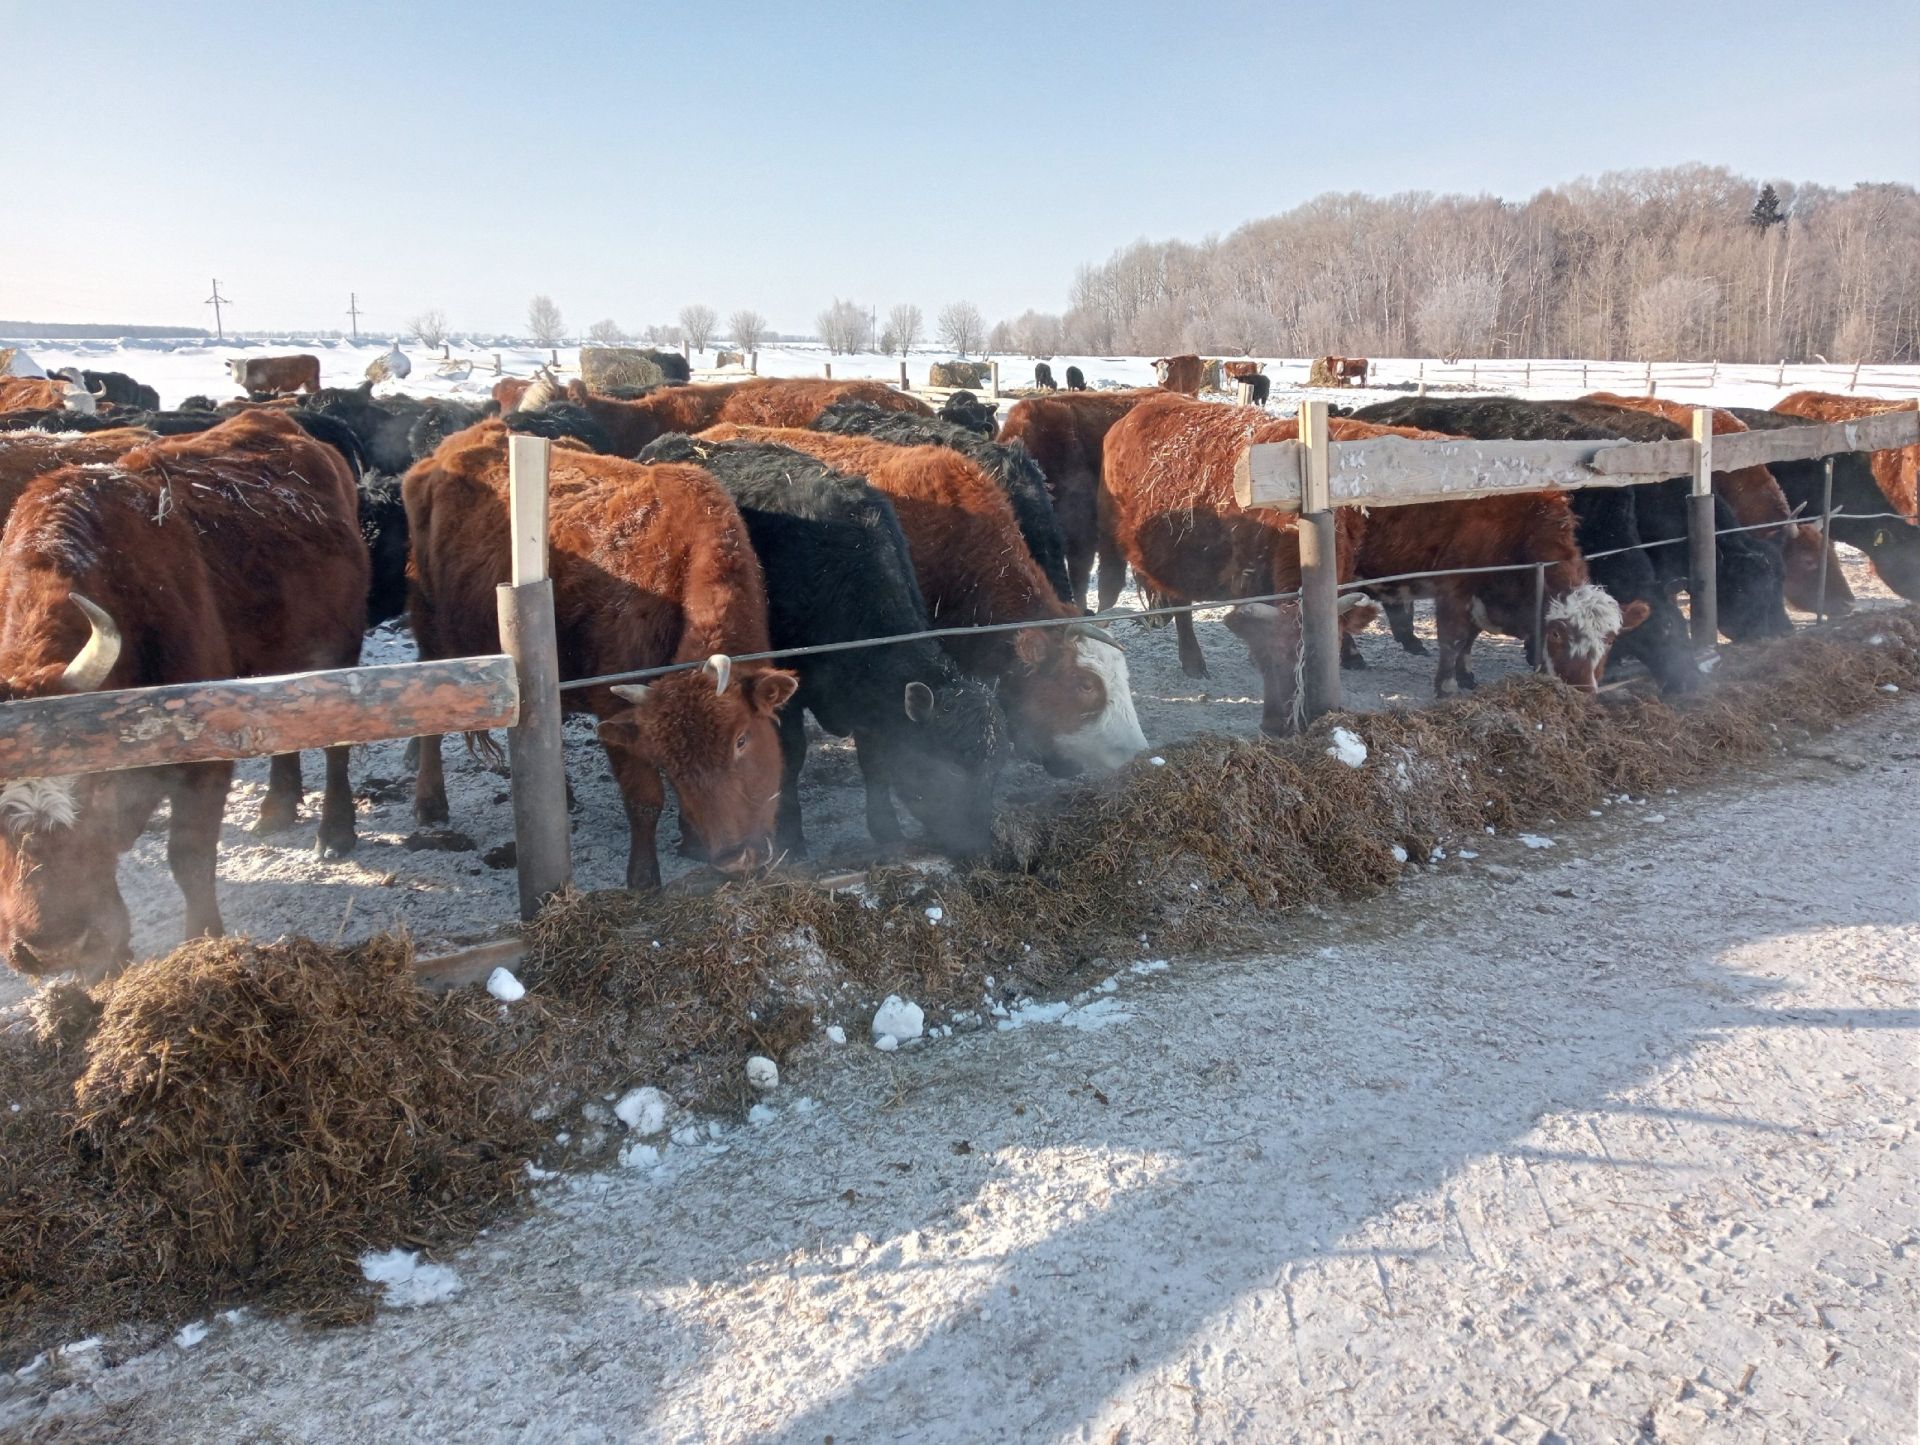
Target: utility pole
[(353, 312), (216, 301)]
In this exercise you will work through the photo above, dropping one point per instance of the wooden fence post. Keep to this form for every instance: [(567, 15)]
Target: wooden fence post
[(1243, 392), (1854, 384), (826, 368), (1701, 543), (542, 848), (1583, 376), (1649, 383), (903, 376), (1319, 569), (496, 363), (753, 362), (1421, 380), (1780, 377), (993, 380)]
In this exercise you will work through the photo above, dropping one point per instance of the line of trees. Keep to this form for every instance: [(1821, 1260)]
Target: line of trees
[(1686, 261)]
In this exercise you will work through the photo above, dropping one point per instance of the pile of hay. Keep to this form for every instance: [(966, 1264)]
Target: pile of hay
[(967, 374), (254, 1117), (249, 1117), (602, 367)]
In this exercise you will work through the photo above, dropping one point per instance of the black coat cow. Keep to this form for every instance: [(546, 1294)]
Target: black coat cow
[(1076, 379), (1008, 463), (964, 409), (1043, 377), (837, 569)]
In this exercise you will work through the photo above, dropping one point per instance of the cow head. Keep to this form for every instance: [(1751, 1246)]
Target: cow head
[(712, 733), (61, 839), (944, 762), (1069, 701), (1582, 624), (1751, 580)]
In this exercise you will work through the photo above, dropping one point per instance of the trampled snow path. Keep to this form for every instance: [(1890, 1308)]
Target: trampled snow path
[(1606, 1143)]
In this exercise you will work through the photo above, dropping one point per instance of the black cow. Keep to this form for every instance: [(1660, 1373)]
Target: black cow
[(381, 425), (1607, 521), (965, 409), (1076, 379), (1892, 545), (1262, 387), (559, 419), (121, 389), (1009, 464), (1043, 377), (838, 569), (439, 420), (673, 366)]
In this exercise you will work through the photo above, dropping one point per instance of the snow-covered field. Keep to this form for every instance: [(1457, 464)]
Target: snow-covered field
[(1580, 1144), (271, 886)]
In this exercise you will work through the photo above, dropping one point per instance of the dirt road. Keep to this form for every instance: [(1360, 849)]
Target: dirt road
[(1608, 1141)]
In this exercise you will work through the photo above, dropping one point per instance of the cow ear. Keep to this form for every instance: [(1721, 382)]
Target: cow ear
[(1029, 646), (919, 700), (1633, 614), (767, 692)]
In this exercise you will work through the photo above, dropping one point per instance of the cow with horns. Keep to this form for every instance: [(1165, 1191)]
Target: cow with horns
[(231, 553)]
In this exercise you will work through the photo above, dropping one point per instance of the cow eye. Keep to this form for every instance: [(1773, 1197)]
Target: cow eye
[(740, 743)]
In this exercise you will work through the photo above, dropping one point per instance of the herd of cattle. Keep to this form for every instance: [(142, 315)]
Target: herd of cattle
[(695, 524)]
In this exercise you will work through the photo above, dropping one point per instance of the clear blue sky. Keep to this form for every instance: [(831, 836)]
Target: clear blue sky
[(630, 158)]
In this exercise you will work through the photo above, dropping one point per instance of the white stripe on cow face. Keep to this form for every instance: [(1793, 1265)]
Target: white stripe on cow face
[(1114, 735), (1593, 620), (36, 803)]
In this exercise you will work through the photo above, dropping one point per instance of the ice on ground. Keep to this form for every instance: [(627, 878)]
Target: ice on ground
[(405, 1281), (1157, 761), (504, 986), (762, 1114), (639, 1156), (1099, 1014), (190, 1334), (763, 1073), (1028, 1012), (1534, 840), (1146, 966), (899, 1019), (836, 1034), (936, 913), (1399, 854), (886, 1043), (1347, 747), (642, 1110)]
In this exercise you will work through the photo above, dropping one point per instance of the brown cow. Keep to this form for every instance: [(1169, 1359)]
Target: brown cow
[(26, 455), (1065, 434), (1896, 470), (1065, 689), (509, 390), (1167, 501), (264, 376), (1582, 621), (1755, 498), (651, 566), (1241, 370), (32, 393), (760, 401), (233, 552), (1180, 373)]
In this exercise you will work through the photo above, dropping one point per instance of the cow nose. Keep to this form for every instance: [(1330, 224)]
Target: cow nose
[(25, 960), (742, 859)]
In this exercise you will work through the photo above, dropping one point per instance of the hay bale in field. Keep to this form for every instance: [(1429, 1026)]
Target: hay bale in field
[(602, 367), (1337, 371), (1211, 376), (967, 374), (724, 359)]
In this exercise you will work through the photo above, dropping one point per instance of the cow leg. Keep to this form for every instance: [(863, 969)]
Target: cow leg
[(642, 794), (1400, 623), (430, 784), (1193, 662), (1350, 655), (336, 838), (1113, 570), (883, 823), (281, 806), (1454, 618), (197, 802), (788, 834)]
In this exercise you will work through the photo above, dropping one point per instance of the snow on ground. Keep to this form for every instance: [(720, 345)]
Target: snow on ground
[(1600, 1144)]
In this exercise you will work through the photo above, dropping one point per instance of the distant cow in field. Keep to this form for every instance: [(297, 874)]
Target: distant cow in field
[(1076, 379), (264, 376), (651, 565), (1897, 470), (1259, 388), (1755, 498), (1180, 373), (1066, 690), (837, 570), (1241, 370), (1008, 463), (762, 401), (120, 389), (1065, 435), (1043, 377), (230, 553)]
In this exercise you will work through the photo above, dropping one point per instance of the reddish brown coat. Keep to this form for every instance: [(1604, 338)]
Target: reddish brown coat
[(1239, 370), (651, 565), (25, 455), (1065, 690), (1180, 373), (762, 401), (1066, 434), (233, 552), (31, 393)]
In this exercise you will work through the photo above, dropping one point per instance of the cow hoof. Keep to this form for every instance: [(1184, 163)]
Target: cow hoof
[(429, 814), (276, 816), (336, 847), (1468, 681), (1353, 661), (1414, 647)]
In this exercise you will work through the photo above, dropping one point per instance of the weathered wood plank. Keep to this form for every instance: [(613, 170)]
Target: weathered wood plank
[(1817, 439), (197, 722), (474, 964), (1394, 471)]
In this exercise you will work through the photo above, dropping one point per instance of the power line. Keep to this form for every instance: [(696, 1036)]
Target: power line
[(216, 301), (353, 312)]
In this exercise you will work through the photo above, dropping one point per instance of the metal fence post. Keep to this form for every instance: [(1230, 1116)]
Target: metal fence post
[(1702, 544), (1826, 526), (1540, 617), (1319, 568), (542, 848)]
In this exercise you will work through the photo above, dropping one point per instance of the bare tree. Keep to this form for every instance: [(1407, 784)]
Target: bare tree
[(904, 327), (748, 329), (845, 326), (1034, 333), (544, 324), (1456, 317), (698, 323), (962, 329), (606, 333), (429, 327)]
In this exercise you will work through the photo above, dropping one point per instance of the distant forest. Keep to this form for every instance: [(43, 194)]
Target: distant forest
[(66, 331), (1690, 262)]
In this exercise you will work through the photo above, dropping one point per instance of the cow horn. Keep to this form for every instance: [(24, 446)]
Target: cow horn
[(1350, 600), (635, 693), (90, 667), (1094, 631), (721, 666)]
